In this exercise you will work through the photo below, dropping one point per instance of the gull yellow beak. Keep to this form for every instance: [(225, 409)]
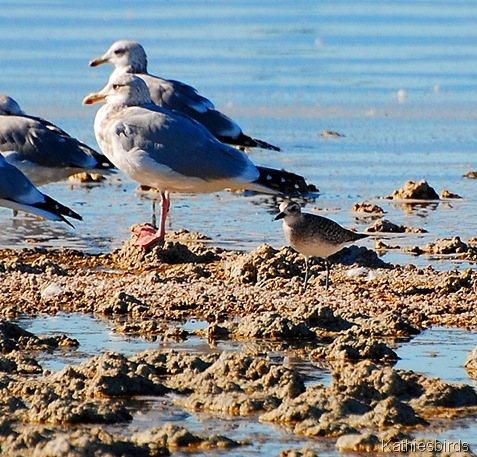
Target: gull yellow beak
[(98, 61), (94, 98)]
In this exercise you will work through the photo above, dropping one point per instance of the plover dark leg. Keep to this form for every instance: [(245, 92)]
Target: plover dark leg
[(313, 235)]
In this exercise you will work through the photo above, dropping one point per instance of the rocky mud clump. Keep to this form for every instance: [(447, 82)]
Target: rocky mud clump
[(353, 329)]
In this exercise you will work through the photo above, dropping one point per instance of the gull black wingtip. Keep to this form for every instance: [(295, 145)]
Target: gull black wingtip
[(67, 222), (73, 215)]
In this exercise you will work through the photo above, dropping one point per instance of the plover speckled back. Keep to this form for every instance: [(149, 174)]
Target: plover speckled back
[(313, 235)]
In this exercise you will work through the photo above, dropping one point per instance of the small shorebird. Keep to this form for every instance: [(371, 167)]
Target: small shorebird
[(130, 57), (313, 235)]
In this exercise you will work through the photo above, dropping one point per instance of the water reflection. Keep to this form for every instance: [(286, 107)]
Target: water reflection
[(417, 208), (435, 352)]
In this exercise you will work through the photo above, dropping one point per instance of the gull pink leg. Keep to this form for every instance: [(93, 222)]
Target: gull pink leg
[(165, 205), (147, 235)]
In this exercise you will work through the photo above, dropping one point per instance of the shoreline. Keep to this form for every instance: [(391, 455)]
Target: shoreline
[(242, 296)]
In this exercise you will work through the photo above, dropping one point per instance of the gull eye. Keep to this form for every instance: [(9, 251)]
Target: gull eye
[(119, 52), (117, 86)]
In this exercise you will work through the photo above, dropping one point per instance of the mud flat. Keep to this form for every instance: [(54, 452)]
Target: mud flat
[(256, 296)]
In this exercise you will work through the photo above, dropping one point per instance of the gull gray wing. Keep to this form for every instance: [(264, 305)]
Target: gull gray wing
[(177, 96), (15, 186), (41, 142), (182, 145), (18, 192)]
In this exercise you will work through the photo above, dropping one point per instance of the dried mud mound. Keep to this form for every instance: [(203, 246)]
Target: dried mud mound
[(172, 252), (363, 398), (244, 296), (95, 441), (13, 337), (415, 191), (218, 285)]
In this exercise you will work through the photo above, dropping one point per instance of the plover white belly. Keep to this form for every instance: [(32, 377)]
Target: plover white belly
[(313, 235)]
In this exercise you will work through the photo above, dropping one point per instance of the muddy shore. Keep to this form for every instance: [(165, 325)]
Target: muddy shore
[(246, 296)]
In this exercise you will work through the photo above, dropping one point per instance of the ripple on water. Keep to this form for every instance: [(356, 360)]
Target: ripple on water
[(436, 352)]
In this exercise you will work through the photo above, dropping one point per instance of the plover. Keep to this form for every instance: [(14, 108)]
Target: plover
[(313, 235), (130, 57), (170, 151)]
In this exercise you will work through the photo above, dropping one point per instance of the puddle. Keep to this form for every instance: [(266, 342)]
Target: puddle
[(438, 352), (95, 336)]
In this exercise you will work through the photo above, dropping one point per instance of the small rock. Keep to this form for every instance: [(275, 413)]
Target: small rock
[(51, 291), (383, 225), (86, 177), (415, 191), (359, 272), (381, 246), (330, 135), (367, 208), (305, 452), (471, 363), (401, 95), (358, 442), (447, 194)]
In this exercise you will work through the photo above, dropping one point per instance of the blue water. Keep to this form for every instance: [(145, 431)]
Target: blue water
[(285, 71), (438, 352)]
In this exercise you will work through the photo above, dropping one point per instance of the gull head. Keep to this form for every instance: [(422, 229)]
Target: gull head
[(124, 54), (122, 90), (289, 210), (9, 107)]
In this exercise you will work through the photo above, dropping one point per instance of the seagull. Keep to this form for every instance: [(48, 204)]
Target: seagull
[(130, 57), (171, 152), (20, 194), (313, 235), (41, 149)]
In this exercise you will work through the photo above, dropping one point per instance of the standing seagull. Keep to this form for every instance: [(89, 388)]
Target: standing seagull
[(18, 193), (313, 235), (41, 149), (130, 57), (172, 152)]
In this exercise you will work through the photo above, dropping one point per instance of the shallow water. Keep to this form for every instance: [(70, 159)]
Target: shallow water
[(285, 71), (437, 352)]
